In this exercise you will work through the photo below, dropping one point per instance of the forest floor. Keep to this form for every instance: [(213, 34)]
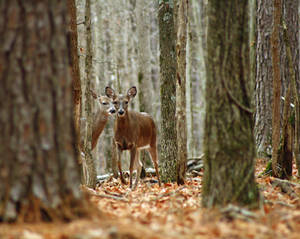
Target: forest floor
[(175, 212)]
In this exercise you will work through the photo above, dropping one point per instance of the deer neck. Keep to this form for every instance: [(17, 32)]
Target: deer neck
[(124, 121), (100, 120), (102, 115)]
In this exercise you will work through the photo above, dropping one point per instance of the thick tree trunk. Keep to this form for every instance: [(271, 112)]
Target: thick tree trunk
[(263, 88), (168, 152), (39, 172), (181, 126), (229, 143)]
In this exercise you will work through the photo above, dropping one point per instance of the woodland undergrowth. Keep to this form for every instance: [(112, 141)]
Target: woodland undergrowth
[(174, 211)]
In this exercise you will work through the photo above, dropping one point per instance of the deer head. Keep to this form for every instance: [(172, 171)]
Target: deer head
[(105, 103), (120, 102)]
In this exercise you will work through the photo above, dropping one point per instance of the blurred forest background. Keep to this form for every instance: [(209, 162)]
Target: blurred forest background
[(125, 42)]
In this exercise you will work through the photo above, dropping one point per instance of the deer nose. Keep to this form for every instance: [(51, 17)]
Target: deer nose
[(121, 112), (112, 111)]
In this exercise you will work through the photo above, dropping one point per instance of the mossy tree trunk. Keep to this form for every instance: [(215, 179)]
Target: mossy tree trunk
[(168, 152), (229, 142), (39, 172)]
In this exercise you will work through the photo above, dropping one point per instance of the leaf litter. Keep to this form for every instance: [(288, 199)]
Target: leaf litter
[(174, 211)]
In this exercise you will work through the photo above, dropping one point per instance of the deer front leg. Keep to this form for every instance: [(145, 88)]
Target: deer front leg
[(138, 166), (153, 153), (119, 153), (133, 153)]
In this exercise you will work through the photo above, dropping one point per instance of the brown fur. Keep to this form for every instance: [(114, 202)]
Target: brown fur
[(133, 131)]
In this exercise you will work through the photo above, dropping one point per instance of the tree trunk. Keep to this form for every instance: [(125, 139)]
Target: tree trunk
[(74, 63), (144, 57), (89, 169), (228, 143), (276, 166), (168, 152), (196, 44), (181, 126), (292, 72), (39, 172), (263, 88), (291, 66)]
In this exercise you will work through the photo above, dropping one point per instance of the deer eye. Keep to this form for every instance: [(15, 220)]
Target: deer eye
[(115, 102), (126, 102), (104, 103)]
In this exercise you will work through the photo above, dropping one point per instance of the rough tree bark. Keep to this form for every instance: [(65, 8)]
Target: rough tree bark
[(291, 65), (74, 64), (168, 152), (276, 165), (263, 87), (229, 142), (181, 126), (39, 172)]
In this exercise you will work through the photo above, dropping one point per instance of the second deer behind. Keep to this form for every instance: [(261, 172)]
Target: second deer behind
[(133, 131)]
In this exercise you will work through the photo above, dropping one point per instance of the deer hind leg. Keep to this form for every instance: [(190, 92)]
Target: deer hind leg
[(153, 153), (133, 153), (119, 153)]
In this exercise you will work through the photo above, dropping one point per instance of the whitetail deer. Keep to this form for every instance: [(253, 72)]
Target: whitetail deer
[(132, 131), (100, 118)]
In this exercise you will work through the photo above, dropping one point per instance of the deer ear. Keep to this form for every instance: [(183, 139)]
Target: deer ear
[(109, 92), (132, 92)]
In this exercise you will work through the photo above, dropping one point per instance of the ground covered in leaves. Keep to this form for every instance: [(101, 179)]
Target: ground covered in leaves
[(175, 212)]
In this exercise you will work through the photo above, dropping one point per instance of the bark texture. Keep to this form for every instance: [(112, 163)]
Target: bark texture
[(89, 168), (229, 142), (181, 126), (168, 152), (276, 165), (263, 86), (291, 75), (39, 172), (74, 64)]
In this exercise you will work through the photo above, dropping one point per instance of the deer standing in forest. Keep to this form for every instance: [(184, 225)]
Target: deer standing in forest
[(133, 131), (100, 118)]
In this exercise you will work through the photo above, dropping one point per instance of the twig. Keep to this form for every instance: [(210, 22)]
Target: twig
[(94, 193), (113, 194), (111, 197), (297, 185), (168, 194), (285, 204), (285, 187), (237, 212)]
